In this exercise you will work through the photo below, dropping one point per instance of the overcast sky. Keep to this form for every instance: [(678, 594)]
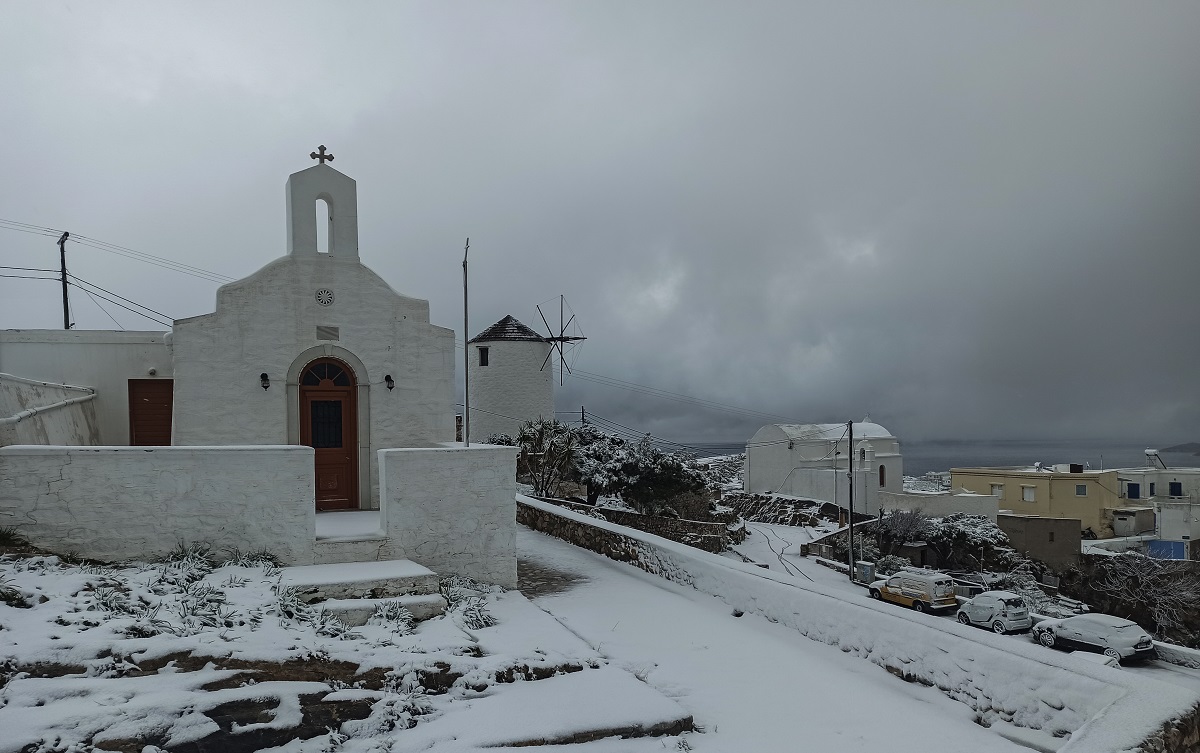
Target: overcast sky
[(968, 220)]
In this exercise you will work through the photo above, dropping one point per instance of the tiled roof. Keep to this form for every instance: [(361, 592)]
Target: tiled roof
[(507, 328)]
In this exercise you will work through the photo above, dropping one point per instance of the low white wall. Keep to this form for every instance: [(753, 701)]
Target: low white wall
[(941, 505), (453, 508), (1105, 711), (34, 412), (117, 503)]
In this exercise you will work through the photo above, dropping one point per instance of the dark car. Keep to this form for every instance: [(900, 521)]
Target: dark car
[(1102, 633)]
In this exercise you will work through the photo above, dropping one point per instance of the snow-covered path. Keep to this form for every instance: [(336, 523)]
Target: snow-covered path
[(753, 685)]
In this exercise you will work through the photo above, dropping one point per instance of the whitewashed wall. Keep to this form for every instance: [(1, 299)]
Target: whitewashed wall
[(940, 505), (513, 384), (772, 466), (1178, 521), (115, 503), (54, 423), (267, 323), (101, 359), (828, 485), (453, 509)]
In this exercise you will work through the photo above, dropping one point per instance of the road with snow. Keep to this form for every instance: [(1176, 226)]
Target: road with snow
[(778, 546), (753, 685)]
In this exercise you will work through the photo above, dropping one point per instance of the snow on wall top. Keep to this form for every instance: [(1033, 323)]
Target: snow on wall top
[(507, 328), (833, 432)]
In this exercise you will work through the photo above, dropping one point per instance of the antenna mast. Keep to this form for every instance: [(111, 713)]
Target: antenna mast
[(466, 356)]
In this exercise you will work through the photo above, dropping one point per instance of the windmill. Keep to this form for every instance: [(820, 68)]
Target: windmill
[(562, 342)]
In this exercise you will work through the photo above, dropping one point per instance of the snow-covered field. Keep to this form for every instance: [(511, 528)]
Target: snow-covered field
[(184, 656), (179, 654)]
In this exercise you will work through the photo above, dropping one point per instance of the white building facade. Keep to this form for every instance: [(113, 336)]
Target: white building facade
[(813, 461)]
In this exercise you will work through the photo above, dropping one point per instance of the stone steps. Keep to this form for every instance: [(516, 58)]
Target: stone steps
[(354, 589), (355, 612)]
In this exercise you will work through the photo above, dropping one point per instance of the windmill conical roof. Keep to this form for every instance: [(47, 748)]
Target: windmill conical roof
[(507, 328)]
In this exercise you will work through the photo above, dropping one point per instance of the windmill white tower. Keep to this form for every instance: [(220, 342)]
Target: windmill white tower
[(508, 384)]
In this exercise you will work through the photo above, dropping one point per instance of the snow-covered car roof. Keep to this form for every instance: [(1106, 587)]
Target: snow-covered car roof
[(1107, 620)]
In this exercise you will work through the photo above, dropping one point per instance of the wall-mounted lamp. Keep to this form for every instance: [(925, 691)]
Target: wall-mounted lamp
[(391, 383), (264, 380)]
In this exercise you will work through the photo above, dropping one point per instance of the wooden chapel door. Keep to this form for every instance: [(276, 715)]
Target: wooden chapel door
[(329, 424)]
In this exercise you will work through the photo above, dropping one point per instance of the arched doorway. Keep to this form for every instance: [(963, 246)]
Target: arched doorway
[(328, 424)]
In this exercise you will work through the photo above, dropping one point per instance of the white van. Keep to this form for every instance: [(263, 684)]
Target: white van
[(923, 590)]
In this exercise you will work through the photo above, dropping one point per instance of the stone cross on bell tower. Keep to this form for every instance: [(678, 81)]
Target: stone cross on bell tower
[(322, 183)]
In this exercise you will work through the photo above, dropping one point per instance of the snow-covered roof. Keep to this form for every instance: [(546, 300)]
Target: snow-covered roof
[(507, 328), (832, 432)]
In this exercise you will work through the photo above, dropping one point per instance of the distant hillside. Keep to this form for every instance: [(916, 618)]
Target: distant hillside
[(1192, 447)]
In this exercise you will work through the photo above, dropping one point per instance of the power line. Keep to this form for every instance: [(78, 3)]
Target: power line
[(156, 261), (27, 277), (134, 311), (119, 250), (135, 303), (30, 269), (110, 316)]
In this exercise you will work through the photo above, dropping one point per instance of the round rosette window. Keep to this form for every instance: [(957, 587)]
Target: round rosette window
[(325, 296)]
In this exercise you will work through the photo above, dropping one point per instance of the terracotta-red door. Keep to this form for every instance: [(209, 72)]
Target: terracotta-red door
[(328, 424)]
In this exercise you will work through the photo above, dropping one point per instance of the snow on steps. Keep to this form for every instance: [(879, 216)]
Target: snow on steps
[(354, 589), (355, 612)]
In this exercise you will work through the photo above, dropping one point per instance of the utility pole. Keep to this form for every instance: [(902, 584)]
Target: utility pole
[(850, 473), (62, 256), (466, 356), (582, 416)]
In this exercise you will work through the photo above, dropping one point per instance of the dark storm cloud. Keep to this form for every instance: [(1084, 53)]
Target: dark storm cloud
[(966, 220)]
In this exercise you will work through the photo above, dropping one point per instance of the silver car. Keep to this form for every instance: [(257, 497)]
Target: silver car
[(1102, 633), (1002, 611)]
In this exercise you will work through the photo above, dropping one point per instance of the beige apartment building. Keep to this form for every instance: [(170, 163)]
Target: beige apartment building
[(1052, 492)]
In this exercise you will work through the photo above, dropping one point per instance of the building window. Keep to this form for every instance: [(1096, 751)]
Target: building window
[(1080, 490), (1028, 494), (998, 491), (1151, 488), (1051, 536), (882, 476), (1133, 491), (483, 356), (1175, 488)]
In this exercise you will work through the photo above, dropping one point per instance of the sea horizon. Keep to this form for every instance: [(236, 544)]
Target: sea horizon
[(934, 455)]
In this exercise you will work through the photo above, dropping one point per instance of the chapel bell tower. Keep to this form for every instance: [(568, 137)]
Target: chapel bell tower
[(304, 189)]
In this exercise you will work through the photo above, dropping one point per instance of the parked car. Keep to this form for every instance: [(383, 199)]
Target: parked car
[(1102, 633), (920, 589), (1002, 611)]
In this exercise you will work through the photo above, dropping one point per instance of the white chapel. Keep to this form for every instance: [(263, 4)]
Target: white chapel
[(312, 386)]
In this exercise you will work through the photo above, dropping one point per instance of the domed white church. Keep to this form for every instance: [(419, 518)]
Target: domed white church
[(312, 386)]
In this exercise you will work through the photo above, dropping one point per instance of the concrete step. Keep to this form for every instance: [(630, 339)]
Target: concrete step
[(360, 580), (355, 612)]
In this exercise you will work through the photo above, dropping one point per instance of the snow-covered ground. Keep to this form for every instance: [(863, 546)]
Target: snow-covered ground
[(153, 653), (752, 684), (172, 654)]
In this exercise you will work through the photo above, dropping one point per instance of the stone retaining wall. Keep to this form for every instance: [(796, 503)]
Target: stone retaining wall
[(711, 537)]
